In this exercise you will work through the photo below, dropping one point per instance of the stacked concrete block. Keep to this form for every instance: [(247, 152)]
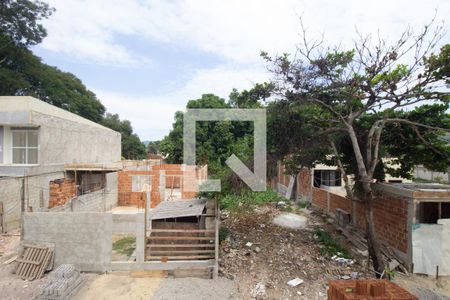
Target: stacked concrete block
[(62, 284)]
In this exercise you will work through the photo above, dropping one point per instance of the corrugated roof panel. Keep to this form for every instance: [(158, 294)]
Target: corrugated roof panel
[(178, 208)]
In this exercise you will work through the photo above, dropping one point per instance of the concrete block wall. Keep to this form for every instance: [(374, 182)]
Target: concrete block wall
[(61, 191), (36, 196), (65, 141), (124, 223), (111, 190), (83, 239), (94, 202), (10, 196)]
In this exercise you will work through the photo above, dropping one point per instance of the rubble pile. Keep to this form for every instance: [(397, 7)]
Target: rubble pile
[(269, 261)]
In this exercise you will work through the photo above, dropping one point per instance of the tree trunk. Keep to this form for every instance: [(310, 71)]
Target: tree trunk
[(373, 244)]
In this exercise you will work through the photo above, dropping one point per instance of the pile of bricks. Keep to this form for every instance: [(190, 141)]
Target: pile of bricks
[(61, 191), (62, 283), (373, 289)]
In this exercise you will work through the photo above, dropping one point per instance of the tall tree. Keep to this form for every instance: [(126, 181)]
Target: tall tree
[(361, 93), (24, 74), (153, 147), (19, 20), (132, 147)]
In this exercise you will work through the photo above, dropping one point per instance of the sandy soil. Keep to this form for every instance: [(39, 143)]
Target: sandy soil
[(195, 288), (112, 286), (425, 287)]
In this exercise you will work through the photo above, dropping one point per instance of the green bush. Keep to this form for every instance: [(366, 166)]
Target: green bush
[(248, 198), (331, 247), (224, 232)]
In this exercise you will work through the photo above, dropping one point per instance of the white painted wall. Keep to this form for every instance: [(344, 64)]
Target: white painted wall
[(431, 248)]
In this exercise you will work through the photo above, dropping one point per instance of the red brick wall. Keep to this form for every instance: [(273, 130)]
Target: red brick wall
[(319, 198), (390, 215), (125, 194), (174, 177), (343, 203), (61, 191), (391, 220), (304, 184)]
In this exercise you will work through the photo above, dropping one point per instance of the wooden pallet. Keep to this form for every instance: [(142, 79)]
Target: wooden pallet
[(33, 261)]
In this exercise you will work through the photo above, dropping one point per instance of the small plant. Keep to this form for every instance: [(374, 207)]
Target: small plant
[(224, 232), (302, 204), (390, 274), (125, 245), (331, 247)]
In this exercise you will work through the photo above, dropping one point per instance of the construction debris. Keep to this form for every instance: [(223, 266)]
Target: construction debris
[(33, 261), (62, 283), (295, 282), (259, 292), (285, 254)]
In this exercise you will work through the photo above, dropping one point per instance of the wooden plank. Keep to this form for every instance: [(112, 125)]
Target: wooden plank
[(187, 257), (35, 246), (149, 274), (46, 261), (30, 256), (171, 238), (41, 258), (33, 262), (183, 230), (180, 245), (31, 268)]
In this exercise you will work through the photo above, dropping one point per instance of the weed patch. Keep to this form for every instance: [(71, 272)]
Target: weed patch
[(331, 246)]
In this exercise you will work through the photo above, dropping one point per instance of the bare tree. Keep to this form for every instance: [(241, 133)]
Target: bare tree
[(375, 78)]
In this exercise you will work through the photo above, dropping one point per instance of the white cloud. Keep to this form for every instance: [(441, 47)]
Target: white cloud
[(236, 30), (152, 115), (233, 30)]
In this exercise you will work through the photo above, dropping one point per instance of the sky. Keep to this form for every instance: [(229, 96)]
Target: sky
[(145, 59)]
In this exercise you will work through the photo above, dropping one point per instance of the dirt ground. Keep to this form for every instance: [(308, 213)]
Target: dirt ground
[(278, 255), (120, 287), (257, 260)]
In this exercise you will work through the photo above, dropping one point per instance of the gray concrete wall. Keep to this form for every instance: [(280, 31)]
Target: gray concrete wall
[(36, 195), (82, 239), (94, 202), (10, 195), (64, 141), (124, 223), (111, 190)]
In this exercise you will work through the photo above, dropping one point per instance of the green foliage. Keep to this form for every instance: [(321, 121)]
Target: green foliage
[(125, 245), (330, 246), (224, 232), (248, 199), (19, 21), (24, 74), (153, 147), (132, 147), (215, 141), (439, 64)]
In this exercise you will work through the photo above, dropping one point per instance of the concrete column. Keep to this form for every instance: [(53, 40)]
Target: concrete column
[(162, 185), (140, 238)]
